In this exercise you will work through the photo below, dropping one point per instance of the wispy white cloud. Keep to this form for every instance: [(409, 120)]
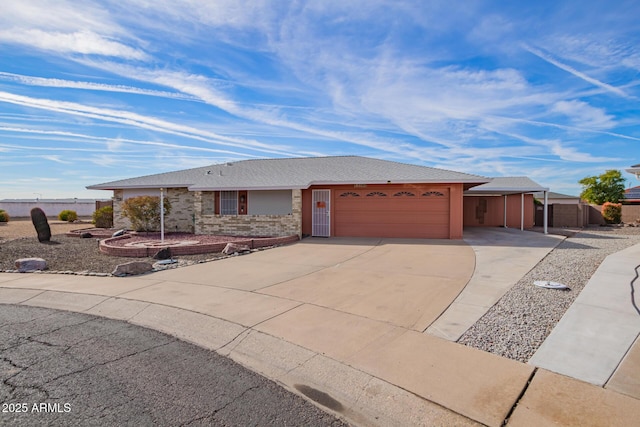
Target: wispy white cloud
[(57, 159), (67, 28), (584, 115), (81, 42), (579, 74), (68, 84), (138, 120)]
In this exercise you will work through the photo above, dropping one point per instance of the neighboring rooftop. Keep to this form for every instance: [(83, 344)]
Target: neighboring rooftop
[(507, 185), (632, 194), (635, 169), (293, 173), (554, 195)]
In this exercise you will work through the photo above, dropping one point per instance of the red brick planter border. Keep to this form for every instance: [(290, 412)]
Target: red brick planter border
[(196, 248)]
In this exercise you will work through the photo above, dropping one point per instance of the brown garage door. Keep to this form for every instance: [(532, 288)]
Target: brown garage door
[(392, 212)]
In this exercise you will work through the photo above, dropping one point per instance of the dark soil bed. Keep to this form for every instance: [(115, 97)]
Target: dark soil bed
[(70, 254)]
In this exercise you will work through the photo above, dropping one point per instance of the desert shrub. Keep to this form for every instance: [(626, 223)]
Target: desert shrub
[(144, 212), (612, 212), (103, 217), (68, 215), (4, 216)]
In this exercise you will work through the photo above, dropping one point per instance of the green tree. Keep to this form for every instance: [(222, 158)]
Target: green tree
[(608, 187), (144, 212)]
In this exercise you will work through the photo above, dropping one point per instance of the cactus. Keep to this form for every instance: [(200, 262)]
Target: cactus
[(41, 224)]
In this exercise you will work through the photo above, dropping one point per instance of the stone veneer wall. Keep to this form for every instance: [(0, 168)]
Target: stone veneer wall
[(250, 225), (119, 221), (182, 216), (180, 219)]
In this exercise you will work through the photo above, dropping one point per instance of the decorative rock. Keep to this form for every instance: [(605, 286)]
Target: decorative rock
[(30, 264), (235, 248), (86, 235), (132, 268), (118, 233), (164, 253)]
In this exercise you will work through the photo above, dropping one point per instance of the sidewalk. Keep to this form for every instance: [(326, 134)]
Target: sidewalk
[(592, 338), (376, 364)]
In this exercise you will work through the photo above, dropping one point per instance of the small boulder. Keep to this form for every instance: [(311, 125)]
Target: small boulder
[(86, 235), (118, 233), (164, 253), (232, 248), (132, 268), (30, 264)]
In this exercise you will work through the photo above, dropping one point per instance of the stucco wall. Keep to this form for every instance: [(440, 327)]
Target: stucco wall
[(22, 208), (488, 211), (630, 213)]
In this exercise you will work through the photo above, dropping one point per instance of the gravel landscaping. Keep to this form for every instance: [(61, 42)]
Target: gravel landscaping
[(518, 324), (73, 254)]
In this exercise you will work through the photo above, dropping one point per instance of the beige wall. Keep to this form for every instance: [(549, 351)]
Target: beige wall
[(250, 225), (630, 213), (570, 215)]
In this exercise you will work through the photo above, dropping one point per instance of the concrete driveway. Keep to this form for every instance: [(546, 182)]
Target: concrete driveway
[(405, 283)]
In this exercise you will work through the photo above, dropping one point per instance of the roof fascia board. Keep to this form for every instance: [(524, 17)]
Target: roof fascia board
[(393, 181), (265, 188), (132, 187)]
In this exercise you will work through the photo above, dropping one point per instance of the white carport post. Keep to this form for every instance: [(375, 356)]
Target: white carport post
[(505, 211), (521, 211), (162, 215), (544, 212)]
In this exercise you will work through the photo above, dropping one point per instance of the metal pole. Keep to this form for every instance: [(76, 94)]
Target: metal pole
[(162, 215), (521, 211), (544, 215), (505, 211)]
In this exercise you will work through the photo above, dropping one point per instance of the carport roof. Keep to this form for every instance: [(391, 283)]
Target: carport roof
[(294, 173), (635, 169), (507, 185)]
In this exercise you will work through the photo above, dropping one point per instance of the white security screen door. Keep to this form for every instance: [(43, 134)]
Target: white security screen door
[(321, 222)]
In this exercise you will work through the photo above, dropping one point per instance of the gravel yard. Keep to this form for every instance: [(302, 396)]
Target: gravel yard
[(518, 324), (18, 239)]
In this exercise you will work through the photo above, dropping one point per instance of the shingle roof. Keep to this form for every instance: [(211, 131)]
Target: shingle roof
[(632, 193), (553, 195), (292, 173), (506, 185)]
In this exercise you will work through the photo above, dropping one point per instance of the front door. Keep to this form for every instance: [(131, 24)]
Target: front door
[(321, 222)]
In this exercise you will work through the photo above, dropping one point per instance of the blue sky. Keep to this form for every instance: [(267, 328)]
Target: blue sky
[(96, 91)]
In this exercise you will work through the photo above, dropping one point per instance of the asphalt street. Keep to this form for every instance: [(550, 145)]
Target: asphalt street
[(64, 368)]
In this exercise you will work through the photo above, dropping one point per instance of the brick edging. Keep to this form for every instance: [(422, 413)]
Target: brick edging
[(199, 248)]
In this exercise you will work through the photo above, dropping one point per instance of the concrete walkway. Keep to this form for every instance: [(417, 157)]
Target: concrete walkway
[(593, 337), (503, 257), (343, 316)]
